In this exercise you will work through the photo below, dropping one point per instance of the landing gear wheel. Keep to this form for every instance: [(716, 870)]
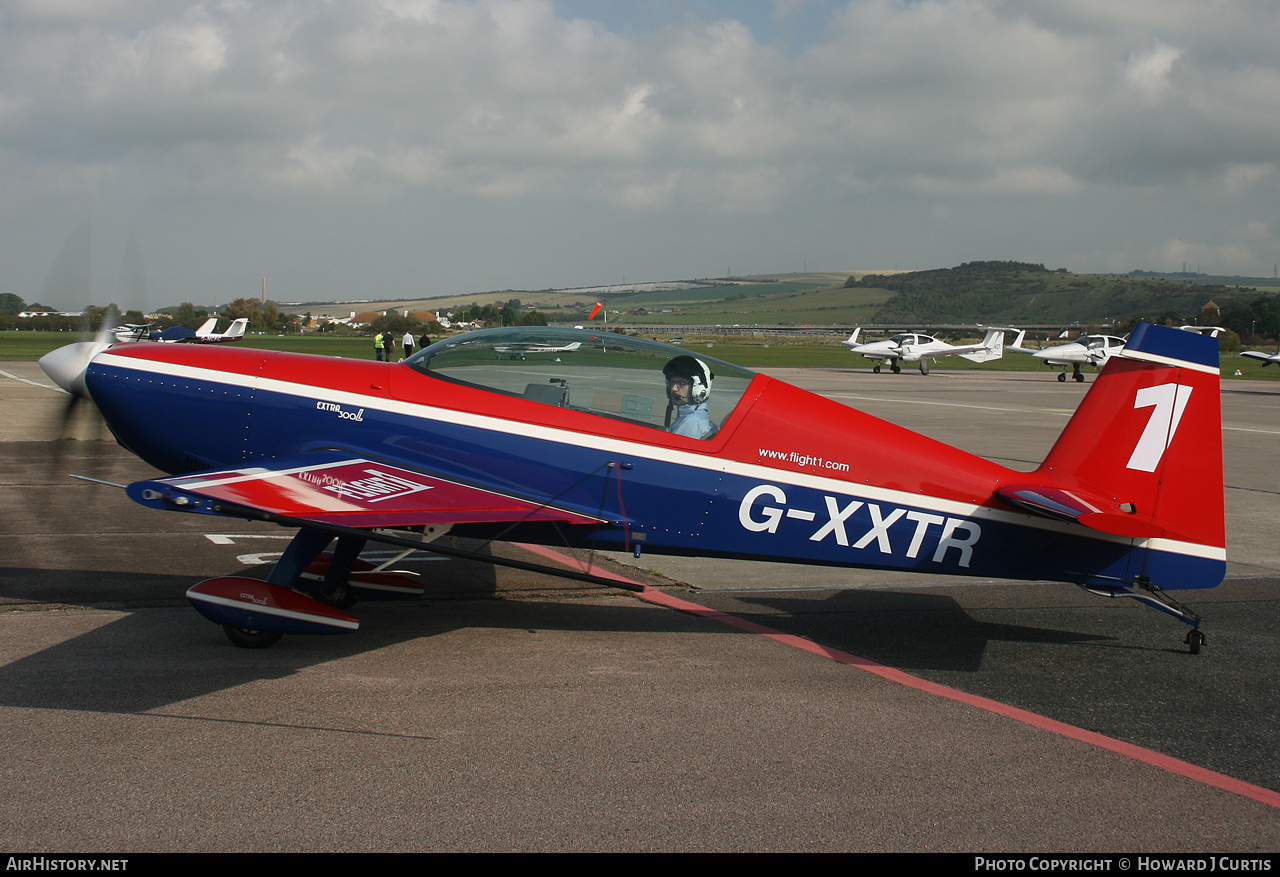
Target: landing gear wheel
[(339, 597), (1195, 639), (251, 639), (1079, 378), (896, 368), (924, 367), (1062, 377), (875, 370)]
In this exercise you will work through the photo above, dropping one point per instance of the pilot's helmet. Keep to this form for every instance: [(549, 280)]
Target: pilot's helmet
[(698, 373)]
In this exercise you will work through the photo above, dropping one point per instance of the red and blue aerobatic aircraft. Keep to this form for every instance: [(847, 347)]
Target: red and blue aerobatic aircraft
[(580, 450)]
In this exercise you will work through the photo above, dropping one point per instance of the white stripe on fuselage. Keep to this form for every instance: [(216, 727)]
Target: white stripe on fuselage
[(559, 435)]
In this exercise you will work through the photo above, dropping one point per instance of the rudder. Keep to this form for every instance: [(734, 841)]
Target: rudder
[(1148, 438)]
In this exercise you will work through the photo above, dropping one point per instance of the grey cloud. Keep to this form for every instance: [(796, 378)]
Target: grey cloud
[(133, 105)]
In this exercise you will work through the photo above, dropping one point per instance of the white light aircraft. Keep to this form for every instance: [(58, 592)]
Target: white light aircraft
[(519, 351), (917, 347), (181, 334), (1092, 350)]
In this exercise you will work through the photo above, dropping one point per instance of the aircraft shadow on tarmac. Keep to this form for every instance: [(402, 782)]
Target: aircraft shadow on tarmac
[(160, 652), (146, 660), (1113, 670), (908, 630)]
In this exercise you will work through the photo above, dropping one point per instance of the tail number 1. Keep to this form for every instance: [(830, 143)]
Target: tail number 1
[(1167, 402)]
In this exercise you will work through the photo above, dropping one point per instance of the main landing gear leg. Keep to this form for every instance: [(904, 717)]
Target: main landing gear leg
[(334, 590), (1158, 598)]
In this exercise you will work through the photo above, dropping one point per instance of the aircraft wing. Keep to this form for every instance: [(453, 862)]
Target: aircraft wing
[(345, 490), (951, 351), (1258, 354), (990, 347)]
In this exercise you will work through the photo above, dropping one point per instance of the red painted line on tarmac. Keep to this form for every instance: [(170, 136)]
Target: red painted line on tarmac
[(1138, 753)]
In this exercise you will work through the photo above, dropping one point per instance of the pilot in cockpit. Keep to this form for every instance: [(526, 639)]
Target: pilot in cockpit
[(688, 389)]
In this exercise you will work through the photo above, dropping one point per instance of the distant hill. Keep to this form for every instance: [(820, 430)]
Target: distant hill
[(1019, 292), (1267, 283), (991, 293)]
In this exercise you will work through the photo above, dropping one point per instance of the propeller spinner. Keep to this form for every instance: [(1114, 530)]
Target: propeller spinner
[(66, 365)]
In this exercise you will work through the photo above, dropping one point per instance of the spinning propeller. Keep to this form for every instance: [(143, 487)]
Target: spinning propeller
[(66, 367)]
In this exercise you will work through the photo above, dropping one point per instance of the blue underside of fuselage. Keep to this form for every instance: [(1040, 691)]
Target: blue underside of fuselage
[(657, 505)]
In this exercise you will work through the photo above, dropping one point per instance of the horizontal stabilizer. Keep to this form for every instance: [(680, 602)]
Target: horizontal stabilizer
[(369, 582), (992, 347), (1085, 509)]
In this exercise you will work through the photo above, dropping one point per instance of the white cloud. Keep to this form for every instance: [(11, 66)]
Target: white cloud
[(950, 90), (1245, 176), (1148, 72)]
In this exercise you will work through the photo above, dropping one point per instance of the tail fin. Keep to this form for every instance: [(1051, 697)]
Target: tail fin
[(992, 347), (1144, 449), (853, 339), (236, 329), (207, 328)]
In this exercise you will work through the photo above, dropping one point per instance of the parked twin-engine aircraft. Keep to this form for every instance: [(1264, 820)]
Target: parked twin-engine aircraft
[(916, 347), (1094, 350), (1128, 503)]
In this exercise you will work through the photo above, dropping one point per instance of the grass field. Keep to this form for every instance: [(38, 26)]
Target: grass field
[(794, 353), (770, 304)]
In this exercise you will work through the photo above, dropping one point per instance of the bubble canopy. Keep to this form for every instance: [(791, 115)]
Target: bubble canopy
[(614, 376)]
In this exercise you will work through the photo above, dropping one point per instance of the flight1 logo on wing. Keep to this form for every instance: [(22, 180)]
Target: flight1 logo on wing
[(834, 523), (1167, 402), (380, 486)]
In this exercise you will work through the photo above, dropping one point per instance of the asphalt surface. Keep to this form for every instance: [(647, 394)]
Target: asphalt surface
[(514, 711)]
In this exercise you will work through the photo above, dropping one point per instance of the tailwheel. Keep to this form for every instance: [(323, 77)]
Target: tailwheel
[(246, 638), (341, 596), (1157, 598)]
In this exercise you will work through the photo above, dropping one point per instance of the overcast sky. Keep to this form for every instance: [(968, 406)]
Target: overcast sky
[(399, 148)]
